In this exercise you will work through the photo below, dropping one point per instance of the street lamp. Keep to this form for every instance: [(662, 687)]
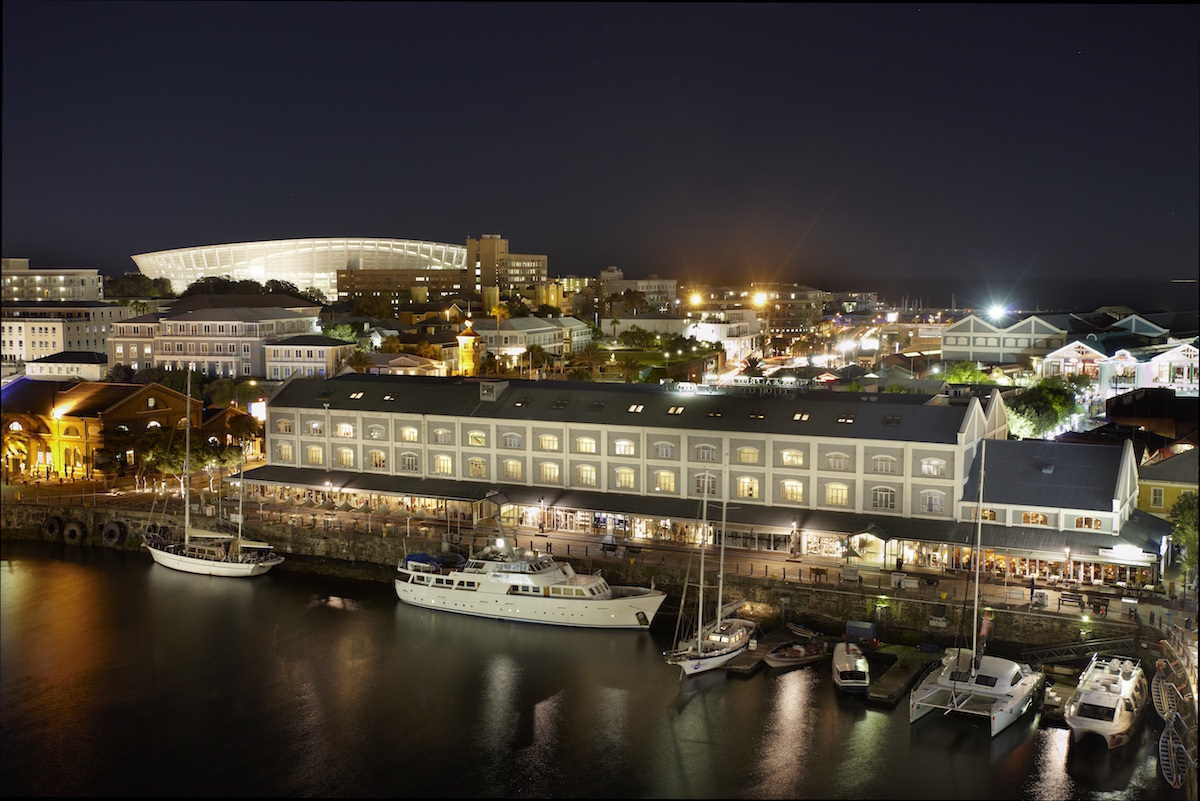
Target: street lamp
[(1067, 562)]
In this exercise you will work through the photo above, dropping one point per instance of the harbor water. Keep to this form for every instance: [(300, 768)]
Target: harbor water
[(120, 677)]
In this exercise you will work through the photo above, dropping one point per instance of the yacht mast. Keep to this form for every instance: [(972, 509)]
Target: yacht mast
[(978, 557), (700, 586), (187, 463), (724, 511)]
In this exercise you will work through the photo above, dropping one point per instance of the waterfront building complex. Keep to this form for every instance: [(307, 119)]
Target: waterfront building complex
[(883, 479), (34, 329)]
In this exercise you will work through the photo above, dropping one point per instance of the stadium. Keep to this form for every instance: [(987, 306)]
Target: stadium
[(307, 263)]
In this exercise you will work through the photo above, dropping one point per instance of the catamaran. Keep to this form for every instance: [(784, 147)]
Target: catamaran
[(968, 681), (205, 552)]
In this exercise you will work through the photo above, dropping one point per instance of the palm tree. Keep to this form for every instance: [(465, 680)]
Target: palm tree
[(588, 359), (630, 367), (359, 361)]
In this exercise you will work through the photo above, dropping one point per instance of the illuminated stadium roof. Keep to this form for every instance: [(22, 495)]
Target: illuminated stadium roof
[(307, 263)]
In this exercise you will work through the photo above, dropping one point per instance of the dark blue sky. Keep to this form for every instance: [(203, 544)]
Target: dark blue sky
[(883, 147)]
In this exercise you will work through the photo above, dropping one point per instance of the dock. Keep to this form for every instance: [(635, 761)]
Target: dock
[(748, 662), (906, 665)]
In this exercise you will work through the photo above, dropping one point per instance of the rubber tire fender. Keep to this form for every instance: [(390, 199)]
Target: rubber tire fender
[(113, 533), (52, 528), (73, 533)]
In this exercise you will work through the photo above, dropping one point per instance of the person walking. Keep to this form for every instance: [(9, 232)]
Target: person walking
[(1032, 585)]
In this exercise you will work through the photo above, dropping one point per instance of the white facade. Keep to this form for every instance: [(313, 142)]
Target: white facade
[(307, 263), (21, 283), (31, 330), (223, 342), (311, 356)]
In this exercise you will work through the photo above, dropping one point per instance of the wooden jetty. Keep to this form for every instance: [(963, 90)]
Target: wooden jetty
[(748, 662), (906, 665)]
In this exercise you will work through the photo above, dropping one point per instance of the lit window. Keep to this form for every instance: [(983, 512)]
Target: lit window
[(933, 467), (625, 478), (675, 410), (549, 473), (477, 439), (747, 487), (636, 408), (443, 465), (933, 502), (846, 418), (378, 460), (664, 481), (476, 468), (792, 458), (747, 455), (548, 442), (836, 494), (345, 430), (512, 470), (585, 445), (1034, 519), (792, 491), (585, 475), (408, 434), (283, 426), (283, 452), (800, 416), (345, 457), (315, 455), (624, 447)]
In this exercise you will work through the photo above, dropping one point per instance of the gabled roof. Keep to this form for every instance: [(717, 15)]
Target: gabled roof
[(1182, 468), (72, 357), (1047, 474)]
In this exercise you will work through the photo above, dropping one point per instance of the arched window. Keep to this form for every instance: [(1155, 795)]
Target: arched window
[(706, 484), (441, 436), (747, 487), (283, 452), (313, 428), (837, 494), (376, 431), (837, 461), (585, 475), (933, 502), (443, 465), (624, 447), (987, 514), (664, 481), (548, 442), (664, 450), (1034, 519), (549, 472), (585, 445), (71, 431), (283, 426), (408, 434), (747, 455), (512, 440), (792, 491), (15, 426), (477, 439), (156, 424), (625, 478), (315, 455), (792, 458), (933, 467), (883, 464), (409, 462), (706, 453), (345, 430), (883, 498)]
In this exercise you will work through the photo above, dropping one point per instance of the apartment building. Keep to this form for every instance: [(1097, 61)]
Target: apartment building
[(31, 329), (20, 283)]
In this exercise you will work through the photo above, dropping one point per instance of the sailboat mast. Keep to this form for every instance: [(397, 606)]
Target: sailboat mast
[(978, 555), (187, 461), (724, 511), (700, 592)]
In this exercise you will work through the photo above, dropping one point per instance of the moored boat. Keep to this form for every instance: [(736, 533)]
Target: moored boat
[(851, 670), (1109, 701), (508, 582), (795, 654)]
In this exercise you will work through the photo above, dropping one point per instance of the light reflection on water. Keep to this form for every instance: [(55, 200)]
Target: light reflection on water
[(295, 685)]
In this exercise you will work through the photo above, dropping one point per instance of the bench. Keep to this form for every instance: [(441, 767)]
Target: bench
[(1071, 598), (1015, 595), (816, 574)]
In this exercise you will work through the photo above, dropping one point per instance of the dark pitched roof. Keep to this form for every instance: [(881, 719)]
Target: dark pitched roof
[(73, 357), (830, 414), (1181, 468), (1047, 474)]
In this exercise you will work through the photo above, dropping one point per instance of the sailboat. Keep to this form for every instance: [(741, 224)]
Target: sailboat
[(715, 644), (209, 553), (970, 682)]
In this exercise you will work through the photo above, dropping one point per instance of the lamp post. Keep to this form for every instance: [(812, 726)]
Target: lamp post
[(1067, 562)]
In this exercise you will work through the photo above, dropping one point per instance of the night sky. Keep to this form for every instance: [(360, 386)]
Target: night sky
[(1027, 154)]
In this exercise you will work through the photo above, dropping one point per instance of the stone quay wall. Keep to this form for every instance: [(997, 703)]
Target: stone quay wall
[(901, 616)]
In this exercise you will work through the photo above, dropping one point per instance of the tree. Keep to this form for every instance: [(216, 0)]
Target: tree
[(120, 374), (359, 361), (282, 287), (588, 360), (1183, 532), (630, 366), (1041, 408), (341, 331), (220, 392), (315, 295), (244, 428), (965, 373), (212, 285), (16, 441), (136, 285), (500, 311), (377, 308)]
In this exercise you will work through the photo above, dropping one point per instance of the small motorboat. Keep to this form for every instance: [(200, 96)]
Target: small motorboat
[(803, 632), (795, 654), (851, 671)]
